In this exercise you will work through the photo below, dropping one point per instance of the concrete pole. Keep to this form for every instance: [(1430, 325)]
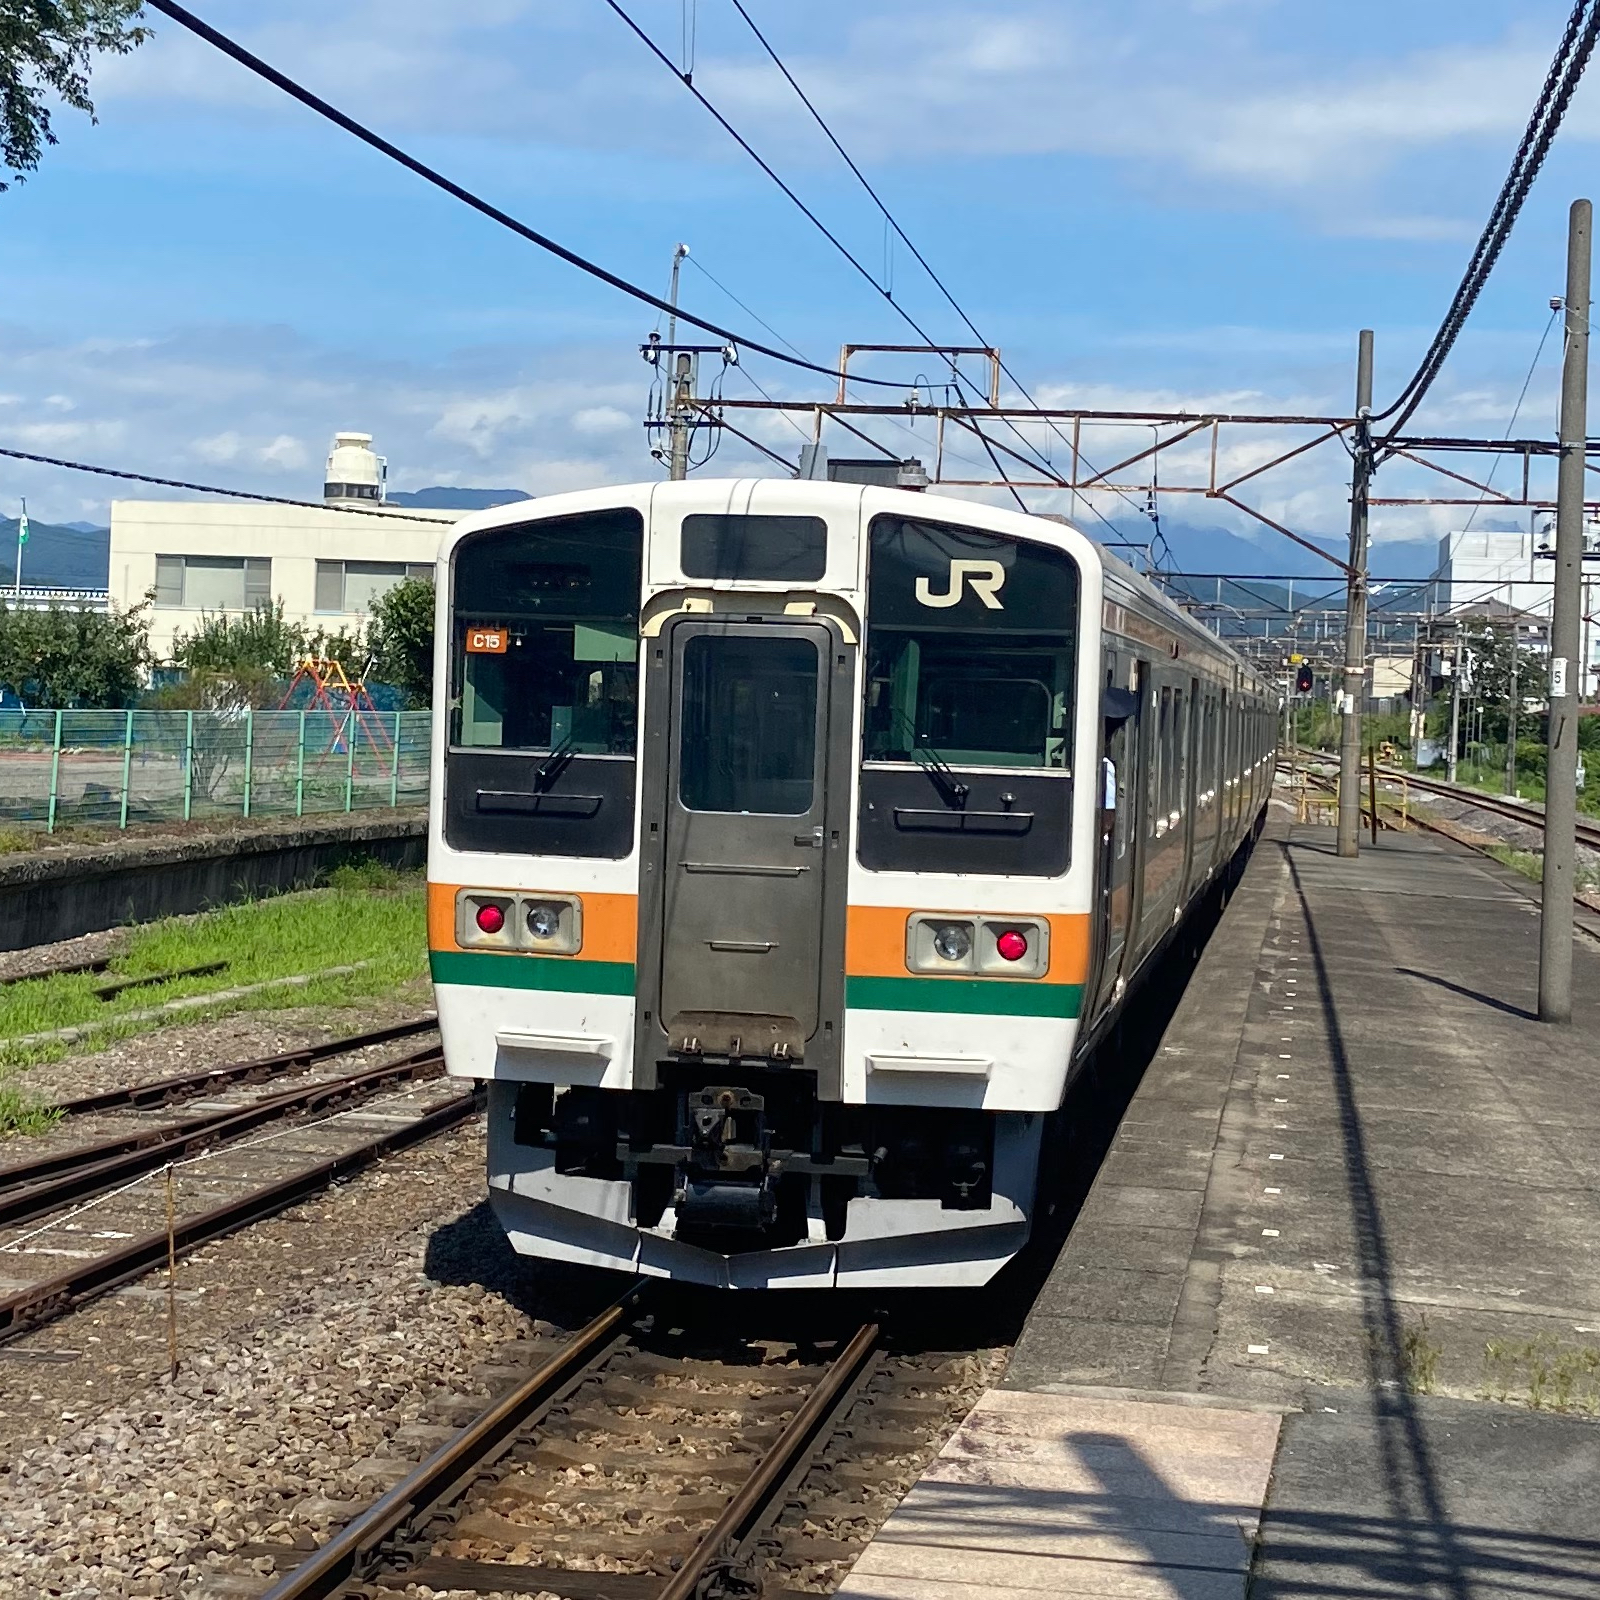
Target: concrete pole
[(1561, 761), (680, 411), (1511, 717), (1355, 628), (1456, 664)]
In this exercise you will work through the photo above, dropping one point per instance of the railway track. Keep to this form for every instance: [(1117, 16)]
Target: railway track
[(628, 1464), (227, 1172)]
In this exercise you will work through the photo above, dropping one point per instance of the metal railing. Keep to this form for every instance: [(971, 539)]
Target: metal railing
[(112, 768)]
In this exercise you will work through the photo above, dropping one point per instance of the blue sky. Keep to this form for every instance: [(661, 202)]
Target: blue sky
[(1195, 202)]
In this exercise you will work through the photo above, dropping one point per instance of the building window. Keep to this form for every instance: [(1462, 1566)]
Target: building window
[(358, 585), (213, 583), (351, 491)]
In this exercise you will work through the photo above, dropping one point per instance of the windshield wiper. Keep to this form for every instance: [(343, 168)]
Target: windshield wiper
[(554, 764), (951, 789)]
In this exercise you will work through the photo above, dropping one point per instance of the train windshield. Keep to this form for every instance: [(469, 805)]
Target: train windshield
[(971, 639), (546, 645)]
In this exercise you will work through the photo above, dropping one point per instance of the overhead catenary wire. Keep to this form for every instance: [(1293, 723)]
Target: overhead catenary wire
[(230, 47), (892, 222), (1566, 70), (1516, 411)]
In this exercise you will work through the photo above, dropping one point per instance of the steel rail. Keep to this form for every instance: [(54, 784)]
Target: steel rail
[(757, 1493), (35, 1188), (187, 1085), (452, 1467), (39, 1303), (1588, 833)]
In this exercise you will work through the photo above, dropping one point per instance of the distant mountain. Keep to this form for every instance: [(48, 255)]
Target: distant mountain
[(1206, 547), (68, 556), (441, 498)]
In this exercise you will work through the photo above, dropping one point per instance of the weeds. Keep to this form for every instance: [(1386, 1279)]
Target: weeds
[(1531, 865), (20, 1115), (1548, 1375), (1419, 1357), (366, 874), (13, 839)]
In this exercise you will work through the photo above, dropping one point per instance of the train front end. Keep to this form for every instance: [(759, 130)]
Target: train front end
[(760, 872)]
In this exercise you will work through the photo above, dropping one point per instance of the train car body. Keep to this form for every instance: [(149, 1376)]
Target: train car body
[(791, 842)]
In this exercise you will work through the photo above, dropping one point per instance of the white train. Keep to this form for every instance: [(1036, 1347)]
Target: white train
[(791, 843)]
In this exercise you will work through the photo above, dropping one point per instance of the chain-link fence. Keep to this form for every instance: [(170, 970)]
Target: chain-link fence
[(110, 768)]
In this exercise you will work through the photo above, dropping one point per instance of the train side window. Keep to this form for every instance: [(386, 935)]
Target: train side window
[(1161, 767), (1181, 705)]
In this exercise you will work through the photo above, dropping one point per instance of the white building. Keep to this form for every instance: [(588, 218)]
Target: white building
[(327, 565), (1479, 571)]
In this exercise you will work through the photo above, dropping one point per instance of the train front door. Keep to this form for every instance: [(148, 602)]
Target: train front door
[(752, 814)]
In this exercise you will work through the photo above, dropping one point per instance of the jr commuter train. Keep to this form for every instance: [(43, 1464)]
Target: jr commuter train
[(791, 844)]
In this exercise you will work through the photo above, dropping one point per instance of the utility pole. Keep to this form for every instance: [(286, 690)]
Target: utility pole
[(1511, 718), (22, 539), (680, 411), (1457, 663), (1355, 628), (1561, 761)]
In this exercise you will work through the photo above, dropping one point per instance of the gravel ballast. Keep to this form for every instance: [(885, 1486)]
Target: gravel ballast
[(276, 1427)]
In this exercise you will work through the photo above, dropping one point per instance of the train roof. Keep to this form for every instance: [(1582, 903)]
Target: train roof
[(1131, 588)]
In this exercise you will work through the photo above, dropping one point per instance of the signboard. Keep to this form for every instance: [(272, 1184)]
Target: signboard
[(1558, 676), (486, 641)]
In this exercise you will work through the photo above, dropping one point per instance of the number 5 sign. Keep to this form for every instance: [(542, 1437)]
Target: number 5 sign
[(486, 641)]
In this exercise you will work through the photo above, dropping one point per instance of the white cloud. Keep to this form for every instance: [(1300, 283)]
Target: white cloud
[(603, 419), (1208, 90), (219, 447), (285, 451)]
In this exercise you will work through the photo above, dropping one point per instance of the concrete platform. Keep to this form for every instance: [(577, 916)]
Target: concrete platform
[(1358, 1188)]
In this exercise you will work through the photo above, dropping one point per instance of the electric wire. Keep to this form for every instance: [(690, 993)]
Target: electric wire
[(323, 108), (1566, 69), (204, 488), (891, 221), (754, 316), (1516, 411)]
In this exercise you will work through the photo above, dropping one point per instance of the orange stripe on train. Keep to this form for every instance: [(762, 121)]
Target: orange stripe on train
[(875, 943), (610, 922)]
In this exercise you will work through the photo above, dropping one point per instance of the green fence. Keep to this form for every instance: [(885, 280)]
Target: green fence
[(110, 768)]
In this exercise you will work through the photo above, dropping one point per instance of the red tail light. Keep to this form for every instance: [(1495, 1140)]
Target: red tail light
[(1012, 945), (490, 919)]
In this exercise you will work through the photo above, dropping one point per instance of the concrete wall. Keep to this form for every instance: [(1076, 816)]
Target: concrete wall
[(55, 894)]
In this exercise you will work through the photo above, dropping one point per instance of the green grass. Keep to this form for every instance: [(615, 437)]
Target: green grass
[(1531, 865), (346, 923), (19, 1114)]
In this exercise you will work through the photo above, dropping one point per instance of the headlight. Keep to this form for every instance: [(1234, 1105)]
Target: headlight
[(952, 941), (544, 921)]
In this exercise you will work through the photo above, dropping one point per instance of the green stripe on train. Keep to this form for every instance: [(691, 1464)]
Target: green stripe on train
[(562, 973), (995, 997)]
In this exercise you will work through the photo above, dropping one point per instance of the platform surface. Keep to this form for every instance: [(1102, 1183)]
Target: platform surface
[(1358, 1189)]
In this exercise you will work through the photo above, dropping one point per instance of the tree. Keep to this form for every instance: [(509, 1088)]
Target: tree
[(401, 636), (48, 45), (1487, 648), (235, 662), (60, 658)]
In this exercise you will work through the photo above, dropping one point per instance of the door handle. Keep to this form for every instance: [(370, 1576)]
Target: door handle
[(743, 947), (812, 839)]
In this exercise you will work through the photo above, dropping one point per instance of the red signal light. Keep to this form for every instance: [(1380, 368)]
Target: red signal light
[(490, 919), (1011, 945)]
